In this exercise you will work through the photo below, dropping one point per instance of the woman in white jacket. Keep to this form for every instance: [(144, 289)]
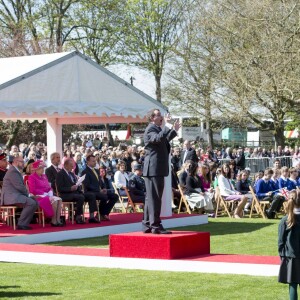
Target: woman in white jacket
[(121, 178), (228, 192)]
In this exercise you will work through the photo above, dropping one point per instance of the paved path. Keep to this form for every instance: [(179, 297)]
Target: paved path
[(199, 266)]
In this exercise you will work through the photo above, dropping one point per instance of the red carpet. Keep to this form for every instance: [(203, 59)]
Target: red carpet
[(163, 246), (55, 249), (115, 219), (227, 258)]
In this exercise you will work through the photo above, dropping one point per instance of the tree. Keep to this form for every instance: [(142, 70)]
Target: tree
[(259, 54), (151, 30), (18, 132), (192, 72), (97, 33)]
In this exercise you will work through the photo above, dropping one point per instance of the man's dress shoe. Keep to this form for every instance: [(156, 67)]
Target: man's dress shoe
[(160, 231), (93, 220), (23, 227)]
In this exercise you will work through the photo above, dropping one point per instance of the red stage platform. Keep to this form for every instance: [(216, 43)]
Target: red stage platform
[(179, 244)]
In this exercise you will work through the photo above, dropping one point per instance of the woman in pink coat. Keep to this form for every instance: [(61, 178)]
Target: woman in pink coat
[(39, 186)]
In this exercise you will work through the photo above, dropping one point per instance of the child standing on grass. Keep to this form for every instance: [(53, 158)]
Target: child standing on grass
[(289, 245)]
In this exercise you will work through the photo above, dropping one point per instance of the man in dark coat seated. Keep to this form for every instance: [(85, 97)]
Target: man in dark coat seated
[(137, 188), (70, 192), (92, 187)]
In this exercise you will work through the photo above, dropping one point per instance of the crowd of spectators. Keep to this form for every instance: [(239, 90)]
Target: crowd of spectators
[(198, 171)]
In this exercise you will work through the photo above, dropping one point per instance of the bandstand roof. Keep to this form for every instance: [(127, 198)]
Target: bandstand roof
[(70, 87)]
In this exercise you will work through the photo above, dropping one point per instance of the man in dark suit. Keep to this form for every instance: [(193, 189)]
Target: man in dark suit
[(14, 192), (156, 167), (188, 153), (51, 172), (92, 187), (70, 192)]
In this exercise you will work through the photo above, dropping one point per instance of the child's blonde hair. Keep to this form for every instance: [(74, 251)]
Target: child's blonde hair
[(294, 201)]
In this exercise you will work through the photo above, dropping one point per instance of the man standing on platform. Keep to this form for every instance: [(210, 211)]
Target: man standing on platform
[(156, 166)]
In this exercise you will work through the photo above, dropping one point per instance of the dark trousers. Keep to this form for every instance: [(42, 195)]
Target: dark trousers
[(76, 197), (29, 208), (107, 201), (152, 208), (276, 203), (91, 200)]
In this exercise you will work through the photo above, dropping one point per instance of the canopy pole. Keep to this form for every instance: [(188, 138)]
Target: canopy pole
[(54, 137), (166, 205)]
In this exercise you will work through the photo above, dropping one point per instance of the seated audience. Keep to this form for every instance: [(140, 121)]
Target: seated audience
[(106, 185), (78, 163), (195, 193), (137, 188), (242, 186), (39, 186), (229, 193), (293, 182), (70, 192), (265, 190), (283, 181), (51, 172), (183, 173), (14, 192), (257, 176), (275, 178), (218, 173), (121, 178), (92, 187)]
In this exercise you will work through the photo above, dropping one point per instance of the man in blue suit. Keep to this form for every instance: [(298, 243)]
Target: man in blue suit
[(157, 139)]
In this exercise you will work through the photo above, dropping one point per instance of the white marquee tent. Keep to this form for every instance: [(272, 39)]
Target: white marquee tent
[(67, 88)]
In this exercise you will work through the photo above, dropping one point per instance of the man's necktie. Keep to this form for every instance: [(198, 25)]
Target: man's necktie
[(71, 177), (184, 156), (94, 171)]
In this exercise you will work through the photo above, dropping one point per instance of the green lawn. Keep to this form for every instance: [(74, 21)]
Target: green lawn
[(228, 236), (26, 281), (245, 236)]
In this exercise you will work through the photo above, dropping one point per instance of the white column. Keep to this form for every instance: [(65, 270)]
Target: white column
[(166, 205), (54, 137)]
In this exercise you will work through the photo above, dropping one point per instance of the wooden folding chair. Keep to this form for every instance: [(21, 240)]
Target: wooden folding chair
[(121, 198), (67, 208), (130, 203), (259, 206), (8, 213), (183, 200), (222, 207)]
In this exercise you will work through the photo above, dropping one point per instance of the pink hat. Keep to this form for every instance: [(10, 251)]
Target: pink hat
[(38, 164)]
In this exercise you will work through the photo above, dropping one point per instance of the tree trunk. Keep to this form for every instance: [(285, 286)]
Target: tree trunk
[(109, 135), (158, 87), (279, 134), (210, 138)]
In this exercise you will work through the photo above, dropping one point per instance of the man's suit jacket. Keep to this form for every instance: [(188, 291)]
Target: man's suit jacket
[(91, 182), (51, 174), (64, 182), (157, 149), (13, 190), (191, 155)]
